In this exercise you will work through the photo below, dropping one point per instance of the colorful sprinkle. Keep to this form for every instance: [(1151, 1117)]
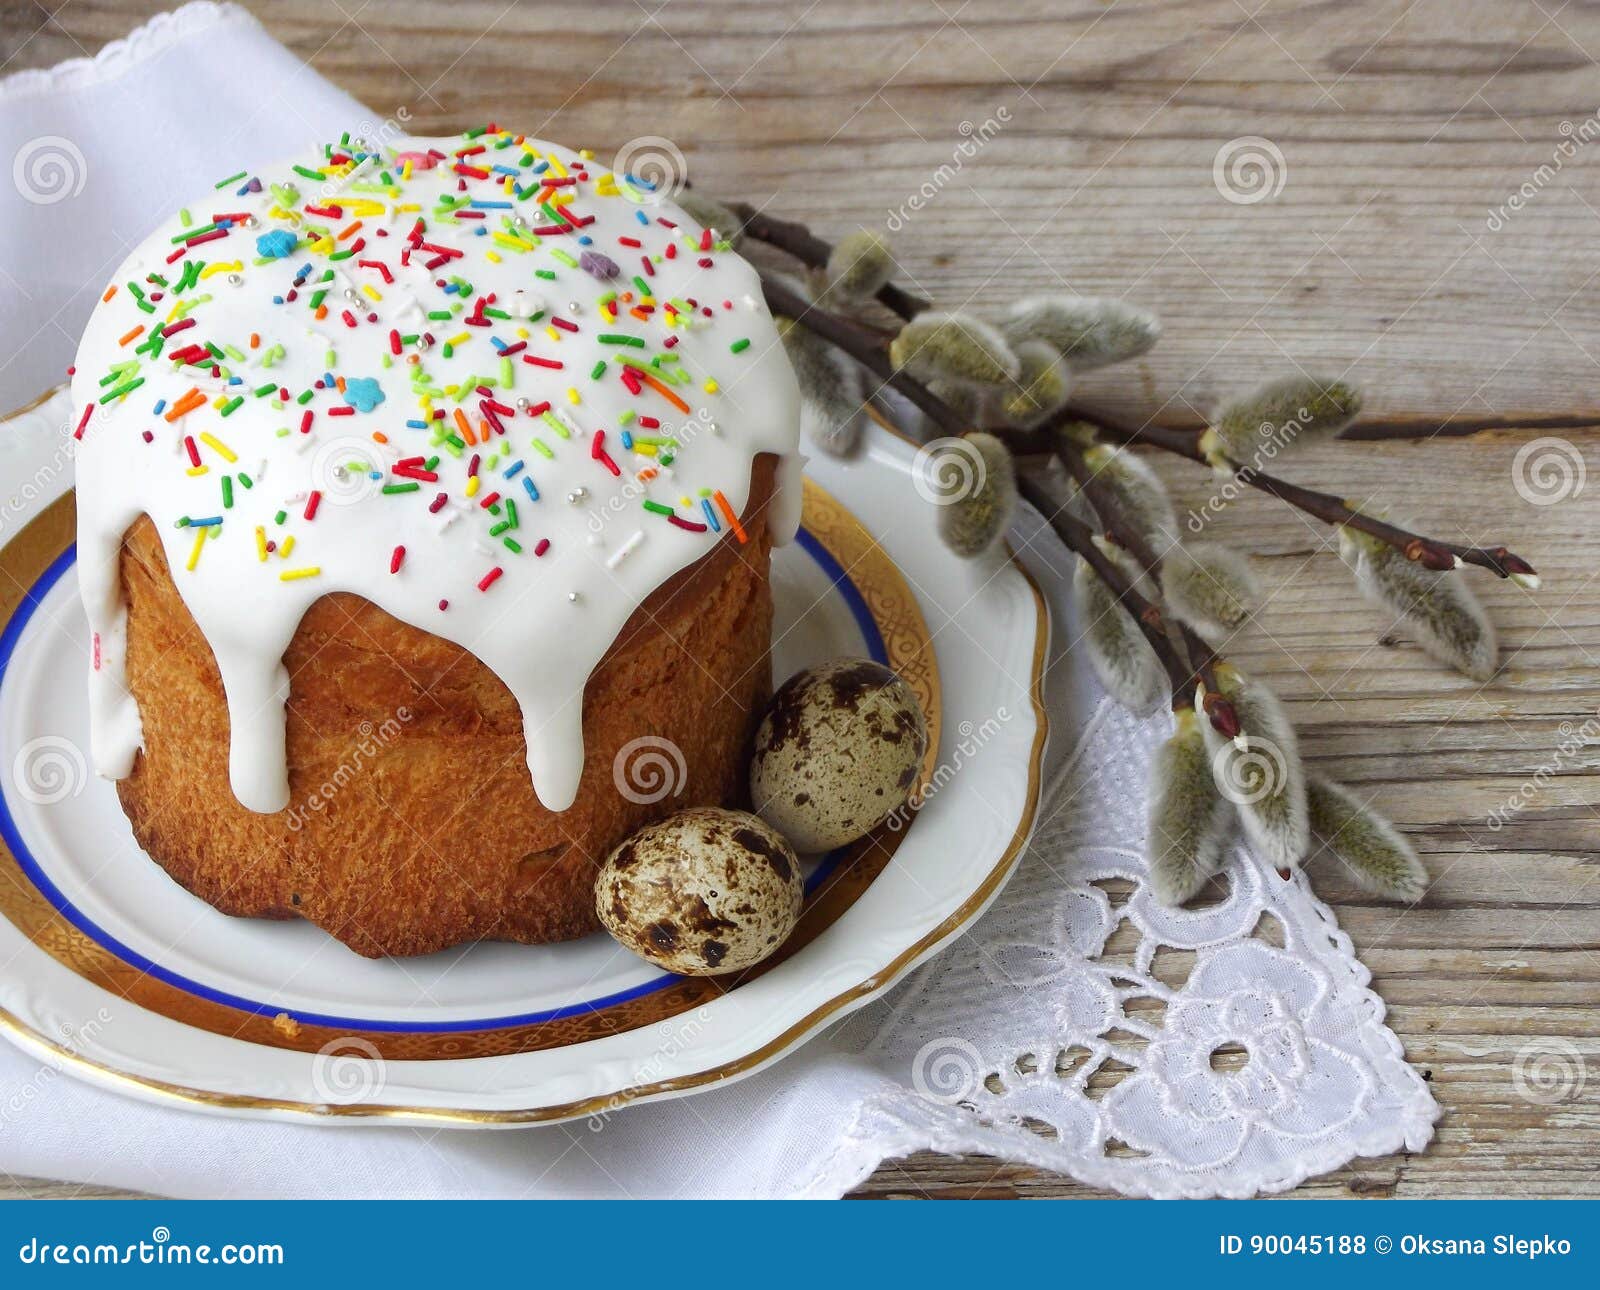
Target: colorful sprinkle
[(276, 245)]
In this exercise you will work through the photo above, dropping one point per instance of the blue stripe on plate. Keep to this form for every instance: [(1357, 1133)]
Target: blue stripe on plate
[(12, 634)]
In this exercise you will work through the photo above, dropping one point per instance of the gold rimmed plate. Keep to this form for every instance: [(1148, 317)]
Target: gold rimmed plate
[(117, 972)]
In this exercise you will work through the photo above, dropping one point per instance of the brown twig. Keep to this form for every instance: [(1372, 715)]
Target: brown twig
[(1079, 538), (1126, 534), (866, 347), (1185, 665), (1183, 654), (1431, 553), (799, 241)]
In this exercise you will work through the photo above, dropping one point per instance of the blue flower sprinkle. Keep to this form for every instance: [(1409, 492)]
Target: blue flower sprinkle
[(363, 393), (276, 245)]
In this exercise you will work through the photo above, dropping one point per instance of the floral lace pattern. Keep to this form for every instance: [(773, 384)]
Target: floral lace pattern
[(1223, 1050)]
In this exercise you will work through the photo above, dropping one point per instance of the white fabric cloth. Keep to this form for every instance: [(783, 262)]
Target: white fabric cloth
[(988, 1049)]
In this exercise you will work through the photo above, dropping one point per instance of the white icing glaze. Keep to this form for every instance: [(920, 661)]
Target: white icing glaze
[(543, 624)]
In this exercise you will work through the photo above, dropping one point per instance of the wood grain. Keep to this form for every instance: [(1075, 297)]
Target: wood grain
[(1389, 254)]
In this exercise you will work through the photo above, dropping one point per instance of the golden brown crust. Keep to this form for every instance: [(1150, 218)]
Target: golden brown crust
[(413, 825)]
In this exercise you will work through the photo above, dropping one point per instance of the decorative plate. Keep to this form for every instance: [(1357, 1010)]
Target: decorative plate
[(109, 968)]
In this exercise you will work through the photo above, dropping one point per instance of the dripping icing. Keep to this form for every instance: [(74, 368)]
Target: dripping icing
[(523, 622)]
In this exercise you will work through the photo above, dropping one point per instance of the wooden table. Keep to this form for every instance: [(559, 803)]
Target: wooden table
[(1400, 133)]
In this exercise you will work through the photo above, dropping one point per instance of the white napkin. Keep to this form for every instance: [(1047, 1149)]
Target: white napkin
[(101, 148)]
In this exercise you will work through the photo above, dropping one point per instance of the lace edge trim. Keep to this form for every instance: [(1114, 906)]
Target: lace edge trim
[(836, 1174), (1412, 1131), (117, 56)]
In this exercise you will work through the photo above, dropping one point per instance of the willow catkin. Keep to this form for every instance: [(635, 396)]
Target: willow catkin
[(1138, 492), (1122, 658), (858, 266), (1210, 587), (954, 347), (1189, 819), (1377, 855), (967, 401), (832, 411), (972, 522), (1087, 331), (1438, 606), (1276, 418), (1260, 770), (1042, 385)]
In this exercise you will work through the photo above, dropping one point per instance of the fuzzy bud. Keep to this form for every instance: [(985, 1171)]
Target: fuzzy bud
[(1042, 385), (1087, 331), (712, 214), (1277, 417), (974, 521), (1378, 856), (1121, 656), (966, 400), (1139, 492), (1210, 587), (954, 347), (1189, 819), (858, 266), (1260, 770), (1438, 606), (831, 397)]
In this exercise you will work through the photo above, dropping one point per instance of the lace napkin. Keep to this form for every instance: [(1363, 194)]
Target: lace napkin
[(1222, 1051)]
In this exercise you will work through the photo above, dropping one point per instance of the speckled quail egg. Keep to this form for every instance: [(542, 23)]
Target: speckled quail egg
[(838, 751), (702, 892)]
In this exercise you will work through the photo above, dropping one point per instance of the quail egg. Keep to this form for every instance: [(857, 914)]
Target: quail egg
[(702, 892), (838, 751)]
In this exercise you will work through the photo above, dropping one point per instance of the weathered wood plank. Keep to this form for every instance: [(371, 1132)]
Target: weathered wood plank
[(1403, 128)]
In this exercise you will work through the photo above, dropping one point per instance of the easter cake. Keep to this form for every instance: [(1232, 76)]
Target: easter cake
[(426, 492)]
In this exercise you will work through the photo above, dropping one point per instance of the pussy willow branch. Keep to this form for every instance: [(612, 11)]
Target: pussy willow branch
[(1430, 552), (1182, 673), (865, 346), (1114, 517), (799, 241), (1106, 505), (1184, 656)]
